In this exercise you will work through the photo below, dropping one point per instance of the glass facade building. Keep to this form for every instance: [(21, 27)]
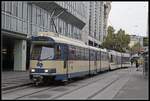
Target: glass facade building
[(23, 19), (98, 15)]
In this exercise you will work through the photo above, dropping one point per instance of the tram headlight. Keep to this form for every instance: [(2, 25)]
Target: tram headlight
[(46, 70), (32, 70), (41, 35)]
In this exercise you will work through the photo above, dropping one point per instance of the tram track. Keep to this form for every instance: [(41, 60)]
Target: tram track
[(96, 79), (76, 89), (90, 97), (34, 92), (76, 82), (15, 89), (92, 82), (14, 77)]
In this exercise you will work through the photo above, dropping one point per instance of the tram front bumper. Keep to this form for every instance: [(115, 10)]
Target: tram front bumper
[(37, 78)]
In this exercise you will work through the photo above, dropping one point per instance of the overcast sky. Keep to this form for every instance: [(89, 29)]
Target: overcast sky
[(130, 16)]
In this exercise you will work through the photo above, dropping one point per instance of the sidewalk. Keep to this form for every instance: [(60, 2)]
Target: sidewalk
[(13, 79), (136, 88)]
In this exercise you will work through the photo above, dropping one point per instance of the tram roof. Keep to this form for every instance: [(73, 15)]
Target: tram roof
[(115, 52), (103, 50), (126, 54), (94, 48), (62, 39), (118, 53), (112, 52)]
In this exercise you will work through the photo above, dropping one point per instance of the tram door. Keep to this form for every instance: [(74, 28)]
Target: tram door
[(95, 62), (65, 57)]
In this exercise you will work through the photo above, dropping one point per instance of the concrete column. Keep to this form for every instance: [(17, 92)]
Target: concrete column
[(20, 55)]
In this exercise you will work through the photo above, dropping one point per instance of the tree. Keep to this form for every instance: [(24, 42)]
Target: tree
[(116, 41), (109, 40), (122, 40)]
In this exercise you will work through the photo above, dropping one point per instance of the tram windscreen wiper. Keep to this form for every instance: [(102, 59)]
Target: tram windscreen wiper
[(47, 53)]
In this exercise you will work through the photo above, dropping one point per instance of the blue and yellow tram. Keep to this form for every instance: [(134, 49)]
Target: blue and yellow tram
[(60, 58), (57, 58)]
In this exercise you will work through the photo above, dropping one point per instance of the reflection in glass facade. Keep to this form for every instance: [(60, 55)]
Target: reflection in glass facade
[(28, 18)]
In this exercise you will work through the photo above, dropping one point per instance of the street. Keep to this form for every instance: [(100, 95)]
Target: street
[(108, 85)]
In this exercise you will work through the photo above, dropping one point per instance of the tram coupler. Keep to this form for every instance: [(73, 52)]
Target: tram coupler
[(37, 80)]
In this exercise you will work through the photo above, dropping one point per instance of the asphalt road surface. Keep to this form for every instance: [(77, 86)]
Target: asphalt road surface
[(107, 85)]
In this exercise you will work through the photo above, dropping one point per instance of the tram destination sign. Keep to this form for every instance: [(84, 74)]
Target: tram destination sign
[(41, 38)]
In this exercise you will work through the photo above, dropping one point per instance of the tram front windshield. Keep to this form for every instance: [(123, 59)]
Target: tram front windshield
[(42, 52)]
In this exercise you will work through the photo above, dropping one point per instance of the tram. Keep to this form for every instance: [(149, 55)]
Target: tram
[(56, 57), (125, 60)]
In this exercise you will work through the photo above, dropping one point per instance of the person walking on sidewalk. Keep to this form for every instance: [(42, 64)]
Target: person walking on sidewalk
[(137, 64), (132, 61)]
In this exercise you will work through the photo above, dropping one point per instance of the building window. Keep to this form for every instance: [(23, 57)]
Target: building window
[(19, 25), (63, 27), (66, 29), (25, 27), (7, 20), (60, 26), (42, 18), (20, 9), (39, 17), (57, 22), (8, 7), (3, 6), (3, 20), (45, 19), (34, 17), (25, 17)]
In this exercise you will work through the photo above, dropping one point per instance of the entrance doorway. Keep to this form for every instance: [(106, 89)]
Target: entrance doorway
[(7, 54)]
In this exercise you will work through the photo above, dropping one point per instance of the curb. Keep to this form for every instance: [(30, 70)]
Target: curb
[(12, 87)]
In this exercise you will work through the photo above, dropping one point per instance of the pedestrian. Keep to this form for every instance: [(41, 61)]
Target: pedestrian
[(132, 61), (137, 64)]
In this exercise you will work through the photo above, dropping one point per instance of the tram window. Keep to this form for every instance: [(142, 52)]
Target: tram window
[(102, 55), (82, 53), (58, 52), (92, 55), (78, 53), (86, 54), (105, 57), (111, 58), (47, 53), (36, 53), (97, 56), (42, 52), (71, 52)]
